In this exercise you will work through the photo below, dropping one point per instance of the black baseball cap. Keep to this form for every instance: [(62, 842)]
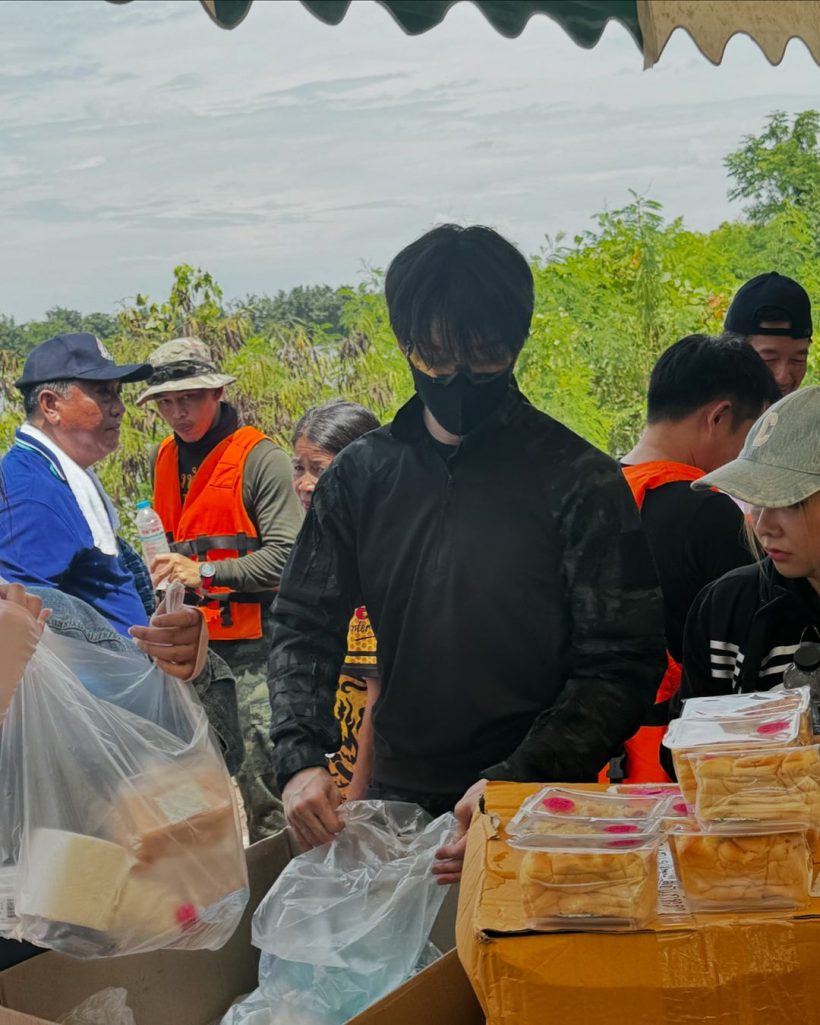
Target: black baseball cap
[(769, 297), (77, 357)]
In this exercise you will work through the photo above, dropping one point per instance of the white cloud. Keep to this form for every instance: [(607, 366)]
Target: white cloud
[(289, 151)]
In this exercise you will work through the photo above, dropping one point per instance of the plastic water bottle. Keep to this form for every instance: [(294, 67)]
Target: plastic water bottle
[(152, 533), (805, 672)]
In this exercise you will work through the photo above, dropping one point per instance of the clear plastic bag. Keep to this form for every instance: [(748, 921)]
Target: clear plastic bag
[(347, 922), (116, 808), (108, 1007)]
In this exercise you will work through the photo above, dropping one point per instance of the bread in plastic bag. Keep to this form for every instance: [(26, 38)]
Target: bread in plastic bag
[(347, 922), (116, 807), (108, 1007)]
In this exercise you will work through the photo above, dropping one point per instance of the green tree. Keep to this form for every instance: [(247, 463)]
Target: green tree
[(779, 167), (306, 306)]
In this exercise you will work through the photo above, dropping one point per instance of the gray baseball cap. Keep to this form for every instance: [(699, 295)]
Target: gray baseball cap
[(183, 364), (780, 461)]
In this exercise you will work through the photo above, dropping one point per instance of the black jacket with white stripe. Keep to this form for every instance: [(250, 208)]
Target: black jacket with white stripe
[(743, 630)]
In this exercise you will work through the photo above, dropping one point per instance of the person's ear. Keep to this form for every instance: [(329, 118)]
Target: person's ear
[(719, 415), (49, 402)]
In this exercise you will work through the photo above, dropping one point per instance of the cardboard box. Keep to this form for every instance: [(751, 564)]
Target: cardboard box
[(751, 969), (174, 987)]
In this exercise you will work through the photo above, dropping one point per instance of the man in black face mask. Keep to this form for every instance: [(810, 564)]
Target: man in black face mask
[(500, 557)]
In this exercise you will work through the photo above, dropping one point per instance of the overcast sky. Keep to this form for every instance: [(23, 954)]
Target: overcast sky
[(290, 152)]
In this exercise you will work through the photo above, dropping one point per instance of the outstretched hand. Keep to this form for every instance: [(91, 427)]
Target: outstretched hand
[(450, 858)]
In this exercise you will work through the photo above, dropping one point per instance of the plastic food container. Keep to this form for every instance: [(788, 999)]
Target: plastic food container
[(656, 790), (561, 802), (588, 884), (756, 703), (746, 788), (531, 830), (743, 872), (686, 736)]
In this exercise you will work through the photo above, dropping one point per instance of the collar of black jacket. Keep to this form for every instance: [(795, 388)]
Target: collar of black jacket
[(408, 423), (774, 586)]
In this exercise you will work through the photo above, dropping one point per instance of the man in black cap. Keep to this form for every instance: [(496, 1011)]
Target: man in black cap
[(773, 312), (58, 528)]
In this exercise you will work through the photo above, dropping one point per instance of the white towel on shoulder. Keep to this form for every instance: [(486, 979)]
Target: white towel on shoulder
[(94, 504)]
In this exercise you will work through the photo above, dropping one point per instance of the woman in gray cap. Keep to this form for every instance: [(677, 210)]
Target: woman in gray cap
[(744, 630)]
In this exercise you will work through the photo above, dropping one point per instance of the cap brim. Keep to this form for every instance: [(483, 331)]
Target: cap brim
[(125, 373), (760, 484), (186, 384)]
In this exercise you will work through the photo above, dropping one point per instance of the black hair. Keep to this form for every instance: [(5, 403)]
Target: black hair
[(333, 425), (31, 394), (460, 295), (702, 368)]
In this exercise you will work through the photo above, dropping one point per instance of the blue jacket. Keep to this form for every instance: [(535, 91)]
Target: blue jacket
[(46, 542)]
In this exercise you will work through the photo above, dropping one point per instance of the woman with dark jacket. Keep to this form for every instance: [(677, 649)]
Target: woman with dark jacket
[(744, 629)]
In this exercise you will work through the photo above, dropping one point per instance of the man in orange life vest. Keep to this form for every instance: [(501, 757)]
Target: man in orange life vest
[(224, 495), (704, 395)]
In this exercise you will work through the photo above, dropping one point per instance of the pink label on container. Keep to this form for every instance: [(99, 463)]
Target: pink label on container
[(773, 727), (558, 804), (623, 843), (681, 807), (621, 827)]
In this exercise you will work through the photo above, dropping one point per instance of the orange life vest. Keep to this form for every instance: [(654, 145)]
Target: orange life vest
[(213, 524), (643, 749)]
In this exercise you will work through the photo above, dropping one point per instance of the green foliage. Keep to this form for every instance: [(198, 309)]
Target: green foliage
[(308, 307), (780, 167), (608, 302), (22, 338)]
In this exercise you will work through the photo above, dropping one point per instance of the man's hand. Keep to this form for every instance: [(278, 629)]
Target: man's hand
[(172, 567), (311, 799), (450, 858), (22, 618), (176, 641)]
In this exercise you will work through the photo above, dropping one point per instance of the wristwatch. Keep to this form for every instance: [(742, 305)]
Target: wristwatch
[(206, 572)]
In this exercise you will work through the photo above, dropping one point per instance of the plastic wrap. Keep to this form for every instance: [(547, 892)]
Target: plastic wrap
[(116, 808), (108, 1007), (347, 922)]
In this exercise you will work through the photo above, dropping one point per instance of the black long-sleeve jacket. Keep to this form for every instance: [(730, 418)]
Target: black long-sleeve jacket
[(513, 596)]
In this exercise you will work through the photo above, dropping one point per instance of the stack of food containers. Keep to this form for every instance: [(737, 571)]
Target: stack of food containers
[(743, 826), (751, 778), (590, 860)]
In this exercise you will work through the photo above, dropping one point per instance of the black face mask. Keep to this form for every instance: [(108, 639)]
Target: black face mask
[(461, 401)]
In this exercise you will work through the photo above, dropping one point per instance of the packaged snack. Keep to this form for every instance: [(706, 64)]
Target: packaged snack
[(744, 872), (686, 736), (780, 785), (182, 803), (560, 802), (590, 884), (756, 703)]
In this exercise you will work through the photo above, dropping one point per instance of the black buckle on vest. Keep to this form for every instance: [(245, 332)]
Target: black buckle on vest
[(199, 547)]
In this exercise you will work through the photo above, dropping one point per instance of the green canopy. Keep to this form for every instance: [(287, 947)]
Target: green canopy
[(710, 23)]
